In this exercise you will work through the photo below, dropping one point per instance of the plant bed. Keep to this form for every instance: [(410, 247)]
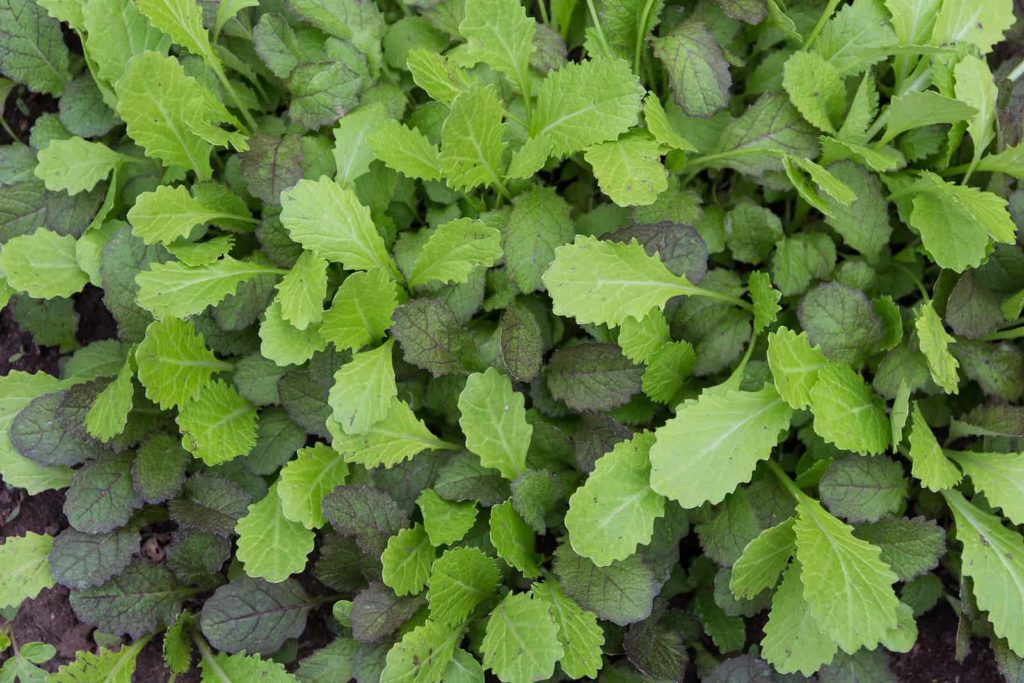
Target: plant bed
[(467, 340)]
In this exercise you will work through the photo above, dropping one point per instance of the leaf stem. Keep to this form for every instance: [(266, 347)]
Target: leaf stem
[(640, 33), (784, 479), (597, 26), (223, 78), (1017, 72), (1002, 335), (543, 11), (825, 16)]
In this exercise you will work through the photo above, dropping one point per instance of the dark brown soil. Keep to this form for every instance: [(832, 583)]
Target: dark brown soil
[(932, 658)]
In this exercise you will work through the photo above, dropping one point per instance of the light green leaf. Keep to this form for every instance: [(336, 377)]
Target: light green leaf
[(827, 189), (793, 641), (17, 390), (847, 413), (603, 282), (306, 480), (513, 540), (1000, 476), (406, 150), (26, 563), (170, 213), (109, 413), (929, 464), (976, 87), (436, 74), (668, 371), (714, 442), (918, 109), (640, 338), (174, 363), (116, 31), (766, 300), (934, 342), (815, 88), (472, 144), (285, 344), (913, 20), (407, 560), (454, 250), (353, 152), (106, 666), (794, 364), (661, 128), (329, 220), (586, 103), (42, 264), (75, 165), (445, 521), (994, 557), (271, 546), (1010, 161), (460, 579), (763, 561), (521, 640), (361, 311), (174, 289), (540, 221), (615, 509), (500, 33), (494, 422), (182, 20), (847, 586), (364, 390), (981, 22), (217, 425), (629, 169), (398, 437), (578, 632), (241, 667), (423, 654), (301, 292)]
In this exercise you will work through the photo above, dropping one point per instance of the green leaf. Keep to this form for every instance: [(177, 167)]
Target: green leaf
[(763, 561), (815, 88), (454, 250), (975, 86), (696, 67), (305, 481), (107, 666), (856, 37), (361, 310), (460, 580), (623, 592), (397, 437), (934, 342), (982, 23), (847, 587), (217, 425), (423, 654), (101, 497), (75, 165), (174, 363), (795, 365), (521, 640), (494, 422), (766, 300), (329, 220), (170, 213), (910, 546), (578, 632), (714, 443), (364, 390), (586, 103), (499, 33), (540, 221), (43, 265), (182, 20), (301, 292), (79, 560), (26, 568), (615, 510), (407, 561), (285, 344), (917, 109), (446, 522), (114, 33), (941, 210), (669, 369), (271, 546), (513, 540), (999, 476), (142, 599), (629, 169), (163, 106), (176, 290), (603, 282), (224, 668), (847, 413), (640, 338), (406, 150), (32, 49), (109, 414), (661, 128), (255, 616), (793, 641), (592, 377), (367, 513), (472, 144), (992, 557), (863, 489)]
